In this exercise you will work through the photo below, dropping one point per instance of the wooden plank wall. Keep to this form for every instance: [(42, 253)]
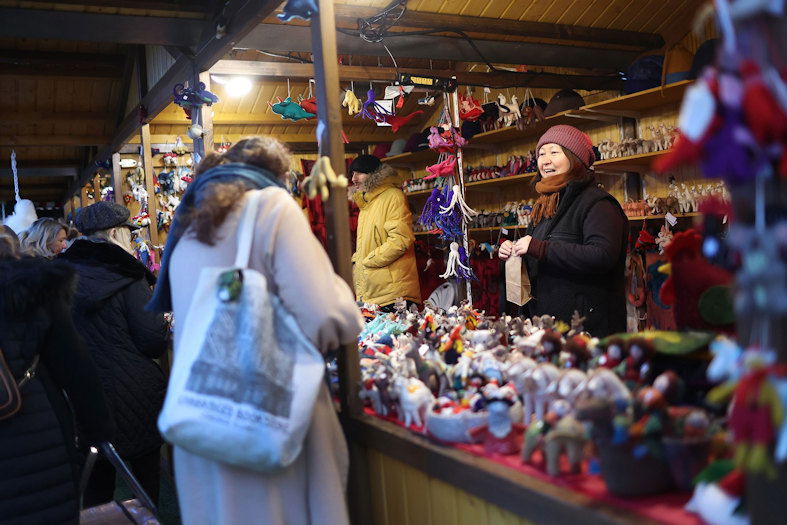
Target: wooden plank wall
[(403, 495)]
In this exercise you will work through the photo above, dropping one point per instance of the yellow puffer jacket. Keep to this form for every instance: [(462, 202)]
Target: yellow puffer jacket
[(384, 261)]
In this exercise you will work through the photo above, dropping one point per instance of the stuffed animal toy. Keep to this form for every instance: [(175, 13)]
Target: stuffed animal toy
[(188, 98), (351, 102), (309, 105), (303, 9), (290, 110), (24, 215), (397, 122)]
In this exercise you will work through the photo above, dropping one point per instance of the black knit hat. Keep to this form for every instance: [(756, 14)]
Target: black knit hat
[(102, 216), (364, 164)]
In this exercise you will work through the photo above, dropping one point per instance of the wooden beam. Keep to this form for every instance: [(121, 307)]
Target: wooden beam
[(192, 6), (26, 172), (52, 193), (19, 62), (359, 137), (241, 17), (98, 27), (47, 117), (496, 26), (275, 37), (150, 172), (207, 116), (117, 179), (52, 140), (285, 70), (125, 84)]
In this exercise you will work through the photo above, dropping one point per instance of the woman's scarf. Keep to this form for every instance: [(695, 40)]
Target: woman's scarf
[(258, 177), (549, 190)]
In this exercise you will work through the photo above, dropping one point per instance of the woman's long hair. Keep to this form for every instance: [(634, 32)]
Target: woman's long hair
[(215, 201), (41, 234)]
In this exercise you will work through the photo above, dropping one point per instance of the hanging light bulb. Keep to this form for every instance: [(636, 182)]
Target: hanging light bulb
[(237, 86)]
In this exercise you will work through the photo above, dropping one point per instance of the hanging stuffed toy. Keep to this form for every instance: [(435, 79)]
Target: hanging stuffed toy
[(309, 105), (179, 148), (166, 180), (457, 265), (303, 9), (290, 110), (321, 178), (372, 109), (141, 220), (397, 122), (108, 194), (188, 98), (351, 102), (458, 201), (469, 108), (442, 169), (445, 139), (24, 210)]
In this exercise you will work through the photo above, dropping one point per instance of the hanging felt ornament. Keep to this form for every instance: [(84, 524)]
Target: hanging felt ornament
[(141, 220), (108, 194), (188, 98), (469, 108), (455, 267), (764, 116), (431, 209), (371, 109), (24, 213), (457, 201), (351, 102), (309, 105), (179, 148), (397, 122), (290, 110), (166, 180), (442, 169), (303, 9), (449, 217), (321, 178)]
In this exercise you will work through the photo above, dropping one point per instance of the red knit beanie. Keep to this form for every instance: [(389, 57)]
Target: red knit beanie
[(572, 139)]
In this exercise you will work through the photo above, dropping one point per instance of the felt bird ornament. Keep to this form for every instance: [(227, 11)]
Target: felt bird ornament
[(397, 122), (321, 177), (288, 109), (351, 102)]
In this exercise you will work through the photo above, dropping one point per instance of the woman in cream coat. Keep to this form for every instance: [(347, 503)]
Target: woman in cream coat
[(312, 489)]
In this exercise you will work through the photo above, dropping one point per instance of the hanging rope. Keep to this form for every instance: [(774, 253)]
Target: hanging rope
[(16, 175)]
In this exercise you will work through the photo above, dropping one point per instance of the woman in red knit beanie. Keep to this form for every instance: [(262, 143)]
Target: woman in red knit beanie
[(575, 247)]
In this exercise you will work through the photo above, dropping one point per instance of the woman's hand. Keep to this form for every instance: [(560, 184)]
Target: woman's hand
[(506, 250), (521, 245)]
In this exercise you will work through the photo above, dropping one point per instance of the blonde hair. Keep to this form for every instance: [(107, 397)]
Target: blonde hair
[(37, 238)]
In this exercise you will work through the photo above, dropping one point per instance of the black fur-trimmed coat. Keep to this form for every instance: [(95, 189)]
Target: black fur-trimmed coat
[(122, 338), (39, 462)]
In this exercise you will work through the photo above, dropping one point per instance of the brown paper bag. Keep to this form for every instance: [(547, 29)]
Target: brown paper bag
[(517, 281)]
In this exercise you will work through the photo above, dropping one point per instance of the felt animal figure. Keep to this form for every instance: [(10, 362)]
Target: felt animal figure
[(309, 105), (442, 169), (397, 122), (534, 394), (613, 354), (499, 435), (414, 400), (469, 108), (603, 384), (303, 9), (560, 433), (166, 180), (566, 383), (636, 368), (188, 98), (321, 178), (371, 109), (351, 102), (290, 110), (718, 493), (370, 392)]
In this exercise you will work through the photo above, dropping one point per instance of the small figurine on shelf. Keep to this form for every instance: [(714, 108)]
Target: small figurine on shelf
[(652, 423), (551, 344), (559, 433), (636, 368), (613, 355), (500, 435)]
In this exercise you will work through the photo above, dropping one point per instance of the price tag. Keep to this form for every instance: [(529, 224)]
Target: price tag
[(503, 231), (671, 219)]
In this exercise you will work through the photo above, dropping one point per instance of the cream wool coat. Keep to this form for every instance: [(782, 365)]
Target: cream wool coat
[(311, 490)]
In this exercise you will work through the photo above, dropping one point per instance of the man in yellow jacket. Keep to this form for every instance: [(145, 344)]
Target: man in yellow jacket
[(384, 267)]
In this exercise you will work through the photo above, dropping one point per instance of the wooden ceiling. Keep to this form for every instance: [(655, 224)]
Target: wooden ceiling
[(66, 85)]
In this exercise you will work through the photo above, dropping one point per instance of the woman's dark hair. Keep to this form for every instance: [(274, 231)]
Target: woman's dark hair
[(215, 201), (576, 168), (9, 243)]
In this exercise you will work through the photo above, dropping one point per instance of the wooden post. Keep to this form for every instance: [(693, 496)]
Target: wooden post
[(329, 128), (207, 118), (150, 187), (460, 166), (117, 179)]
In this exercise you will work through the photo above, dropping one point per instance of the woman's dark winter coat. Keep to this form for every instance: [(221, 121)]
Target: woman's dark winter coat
[(122, 338), (39, 463), (579, 263)]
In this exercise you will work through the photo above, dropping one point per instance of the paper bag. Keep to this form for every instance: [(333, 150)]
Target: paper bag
[(517, 281)]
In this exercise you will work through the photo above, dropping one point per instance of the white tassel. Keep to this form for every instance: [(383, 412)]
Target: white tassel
[(457, 199)]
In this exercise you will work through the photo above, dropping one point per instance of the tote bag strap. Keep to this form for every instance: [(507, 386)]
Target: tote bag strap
[(246, 229)]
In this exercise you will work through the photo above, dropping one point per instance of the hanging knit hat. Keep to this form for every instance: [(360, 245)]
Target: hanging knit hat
[(572, 139), (364, 164)]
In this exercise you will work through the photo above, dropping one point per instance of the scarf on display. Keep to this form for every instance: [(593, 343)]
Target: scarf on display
[(259, 178), (549, 195)]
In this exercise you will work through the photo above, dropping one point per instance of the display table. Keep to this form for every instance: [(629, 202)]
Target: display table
[(503, 481)]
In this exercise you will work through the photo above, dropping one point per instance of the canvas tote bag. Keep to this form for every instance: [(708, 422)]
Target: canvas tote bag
[(244, 379)]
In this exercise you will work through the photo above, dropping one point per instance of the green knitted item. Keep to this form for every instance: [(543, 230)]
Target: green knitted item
[(715, 306)]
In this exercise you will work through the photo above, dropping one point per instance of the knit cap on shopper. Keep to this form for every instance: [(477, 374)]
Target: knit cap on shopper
[(364, 164), (102, 216), (572, 139)]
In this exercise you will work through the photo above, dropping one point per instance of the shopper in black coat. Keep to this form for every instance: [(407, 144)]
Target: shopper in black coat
[(123, 340), (39, 461), (575, 248)]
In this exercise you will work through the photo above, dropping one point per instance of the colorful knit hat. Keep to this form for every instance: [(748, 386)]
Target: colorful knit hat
[(572, 139)]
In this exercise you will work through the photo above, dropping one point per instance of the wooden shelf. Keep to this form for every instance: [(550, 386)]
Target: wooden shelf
[(426, 157), (637, 103), (640, 163), (501, 180), (512, 133), (419, 192), (676, 215)]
